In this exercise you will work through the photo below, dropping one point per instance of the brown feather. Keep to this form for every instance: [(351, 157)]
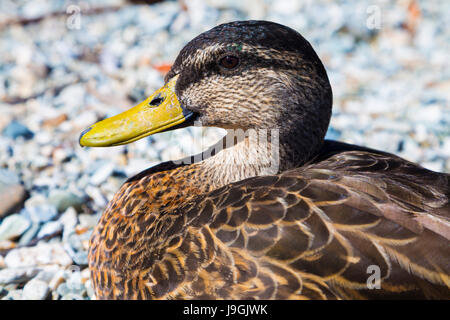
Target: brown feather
[(227, 228)]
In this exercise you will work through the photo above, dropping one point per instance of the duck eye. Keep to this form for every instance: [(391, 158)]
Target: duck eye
[(229, 62)]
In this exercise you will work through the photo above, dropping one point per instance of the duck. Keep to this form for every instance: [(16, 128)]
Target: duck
[(273, 210)]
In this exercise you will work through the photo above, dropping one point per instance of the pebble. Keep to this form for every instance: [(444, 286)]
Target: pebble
[(88, 221), (89, 289), (73, 284), (79, 244), (12, 193), (17, 274), (13, 295), (39, 214), (72, 296), (96, 195), (48, 273), (60, 155), (50, 228), (102, 173), (80, 258), (57, 279), (55, 121), (13, 226), (30, 234), (15, 129), (63, 199), (7, 244), (3, 292), (4, 121), (41, 254), (35, 290), (8, 178), (10, 198), (38, 209), (69, 221)]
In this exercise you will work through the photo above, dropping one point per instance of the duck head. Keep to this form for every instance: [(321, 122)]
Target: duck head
[(238, 75)]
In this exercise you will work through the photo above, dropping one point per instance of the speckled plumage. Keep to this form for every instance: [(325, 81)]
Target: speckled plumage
[(224, 229)]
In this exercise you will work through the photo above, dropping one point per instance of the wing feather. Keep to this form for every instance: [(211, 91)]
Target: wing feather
[(326, 224)]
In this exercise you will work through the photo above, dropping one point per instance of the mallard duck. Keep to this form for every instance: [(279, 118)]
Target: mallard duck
[(309, 219)]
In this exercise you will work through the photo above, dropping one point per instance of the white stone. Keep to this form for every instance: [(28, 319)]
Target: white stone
[(13, 226), (12, 275), (102, 173), (35, 290), (39, 255)]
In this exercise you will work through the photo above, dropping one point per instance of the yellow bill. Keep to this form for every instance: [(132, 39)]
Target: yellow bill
[(157, 113)]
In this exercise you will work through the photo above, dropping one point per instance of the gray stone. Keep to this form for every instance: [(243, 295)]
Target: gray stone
[(13, 226), (69, 221), (38, 209), (17, 275), (10, 198), (56, 280), (89, 289), (15, 129), (63, 199), (3, 291), (72, 296), (62, 289), (13, 295), (80, 241), (8, 178), (96, 195), (70, 287), (80, 258), (50, 228), (48, 273), (35, 290), (89, 220), (102, 173), (12, 193), (39, 255), (78, 246), (30, 234)]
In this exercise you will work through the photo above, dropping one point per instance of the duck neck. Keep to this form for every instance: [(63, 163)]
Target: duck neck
[(245, 154)]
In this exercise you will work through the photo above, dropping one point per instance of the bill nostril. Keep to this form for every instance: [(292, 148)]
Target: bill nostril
[(156, 101)]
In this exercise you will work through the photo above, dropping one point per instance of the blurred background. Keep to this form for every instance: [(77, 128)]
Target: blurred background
[(67, 64)]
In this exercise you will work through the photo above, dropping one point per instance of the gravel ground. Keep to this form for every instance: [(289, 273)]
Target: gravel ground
[(60, 72)]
